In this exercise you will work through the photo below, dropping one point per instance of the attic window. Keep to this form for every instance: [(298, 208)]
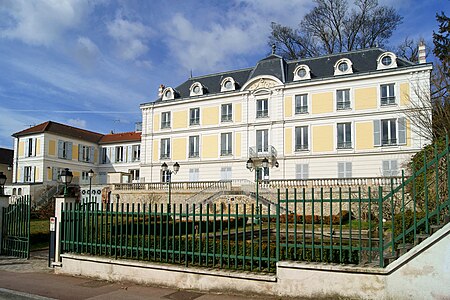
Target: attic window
[(168, 94), (302, 72), (386, 60), (227, 84), (196, 89), (343, 66)]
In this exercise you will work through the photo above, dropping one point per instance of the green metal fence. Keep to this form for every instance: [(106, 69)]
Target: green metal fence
[(16, 228), (353, 225)]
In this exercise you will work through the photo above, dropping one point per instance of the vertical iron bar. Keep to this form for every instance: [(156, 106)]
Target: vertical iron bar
[(380, 226)]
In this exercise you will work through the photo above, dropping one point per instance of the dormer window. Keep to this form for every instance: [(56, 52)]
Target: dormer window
[(228, 84), (168, 94), (302, 72), (386, 60), (196, 89), (343, 66)]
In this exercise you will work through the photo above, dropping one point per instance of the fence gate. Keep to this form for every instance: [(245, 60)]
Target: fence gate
[(16, 228)]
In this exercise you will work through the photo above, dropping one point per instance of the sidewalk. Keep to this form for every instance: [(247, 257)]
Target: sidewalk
[(33, 277)]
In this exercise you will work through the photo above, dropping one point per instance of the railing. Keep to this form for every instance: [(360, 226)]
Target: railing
[(254, 152), (348, 224), (178, 185), (331, 182)]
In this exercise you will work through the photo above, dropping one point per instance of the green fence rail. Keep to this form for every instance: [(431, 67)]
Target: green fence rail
[(351, 226), (16, 228)]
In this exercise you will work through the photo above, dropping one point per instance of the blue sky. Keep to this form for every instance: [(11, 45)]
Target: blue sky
[(91, 63)]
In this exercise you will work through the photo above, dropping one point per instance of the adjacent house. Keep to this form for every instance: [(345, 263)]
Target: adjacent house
[(6, 161)]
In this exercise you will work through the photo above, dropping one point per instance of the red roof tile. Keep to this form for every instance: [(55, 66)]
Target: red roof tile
[(120, 137), (61, 129)]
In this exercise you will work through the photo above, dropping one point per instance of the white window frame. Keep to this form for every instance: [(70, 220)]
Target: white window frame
[(194, 146), (400, 132), (119, 154), (194, 116), (389, 99), (304, 140), (165, 120), (136, 153), (28, 173), (194, 174), (390, 168), (302, 171), (226, 143), (262, 138), (226, 173), (134, 175), (345, 169), (346, 102), (226, 112), (262, 108), (347, 139), (165, 148), (301, 99)]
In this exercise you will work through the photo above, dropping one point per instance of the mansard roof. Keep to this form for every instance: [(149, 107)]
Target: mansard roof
[(363, 61)]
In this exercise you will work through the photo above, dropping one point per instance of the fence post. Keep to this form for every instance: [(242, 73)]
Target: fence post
[(380, 226), (60, 202), (4, 202)]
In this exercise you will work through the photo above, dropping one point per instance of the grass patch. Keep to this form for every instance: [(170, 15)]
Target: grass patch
[(39, 234)]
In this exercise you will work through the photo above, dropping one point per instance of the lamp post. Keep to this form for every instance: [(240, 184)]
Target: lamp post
[(66, 178), (90, 175), (168, 173), (255, 166), (2, 183)]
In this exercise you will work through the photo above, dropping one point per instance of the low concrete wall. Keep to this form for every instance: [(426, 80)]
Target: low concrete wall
[(422, 273)]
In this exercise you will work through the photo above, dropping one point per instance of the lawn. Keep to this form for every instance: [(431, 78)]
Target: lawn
[(39, 234)]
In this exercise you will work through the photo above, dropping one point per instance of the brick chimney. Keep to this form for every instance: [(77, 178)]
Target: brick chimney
[(422, 53)]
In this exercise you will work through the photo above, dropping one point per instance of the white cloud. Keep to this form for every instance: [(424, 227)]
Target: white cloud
[(12, 122), (42, 22), (224, 42), (131, 37), (77, 123)]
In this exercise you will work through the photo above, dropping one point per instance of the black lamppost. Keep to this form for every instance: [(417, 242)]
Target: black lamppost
[(66, 178), (255, 166), (2, 183), (90, 174), (168, 173)]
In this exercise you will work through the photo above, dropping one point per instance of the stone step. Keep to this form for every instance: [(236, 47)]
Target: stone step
[(434, 228), (389, 258), (403, 248), (420, 238)]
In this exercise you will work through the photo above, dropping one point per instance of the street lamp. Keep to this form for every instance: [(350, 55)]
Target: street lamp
[(168, 173), (66, 178), (255, 166), (90, 174), (2, 183)]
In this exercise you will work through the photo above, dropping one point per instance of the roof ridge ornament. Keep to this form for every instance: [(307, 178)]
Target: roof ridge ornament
[(274, 48)]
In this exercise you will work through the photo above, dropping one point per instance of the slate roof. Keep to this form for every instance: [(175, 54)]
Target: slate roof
[(78, 133), (363, 61), (6, 156)]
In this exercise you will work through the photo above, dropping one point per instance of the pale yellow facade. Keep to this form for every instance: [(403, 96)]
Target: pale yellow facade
[(322, 103), (323, 138), (364, 135), (288, 106), (180, 119), (238, 114), (210, 146), (52, 147), (237, 143), (288, 141), (404, 94), (366, 98), (210, 115), (179, 148)]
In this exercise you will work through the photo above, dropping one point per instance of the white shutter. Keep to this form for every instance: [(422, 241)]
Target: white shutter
[(348, 169), (33, 171), (26, 147), (129, 154), (402, 131), (377, 133), (113, 154), (33, 150), (22, 174), (386, 168)]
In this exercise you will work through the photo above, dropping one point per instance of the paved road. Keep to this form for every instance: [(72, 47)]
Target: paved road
[(32, 279)]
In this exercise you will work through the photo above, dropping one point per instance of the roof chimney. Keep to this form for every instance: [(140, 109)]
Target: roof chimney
[(422, 53), (160, 90)]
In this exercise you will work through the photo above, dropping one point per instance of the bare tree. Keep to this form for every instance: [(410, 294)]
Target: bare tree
[(332, 27), (441, 41)]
